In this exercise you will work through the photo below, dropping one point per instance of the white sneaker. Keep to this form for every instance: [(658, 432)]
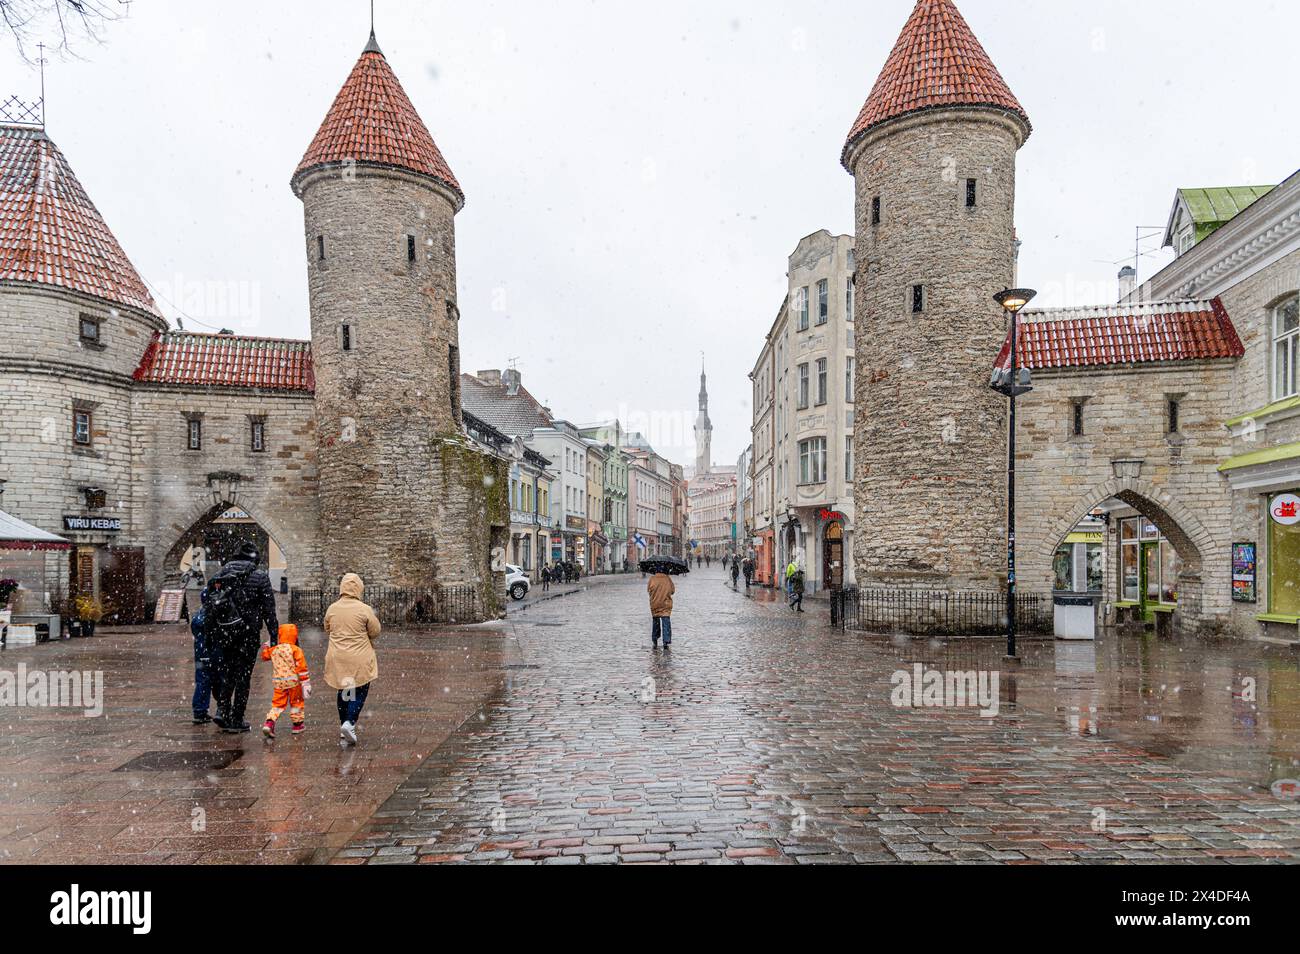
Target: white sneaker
[(348, 732)]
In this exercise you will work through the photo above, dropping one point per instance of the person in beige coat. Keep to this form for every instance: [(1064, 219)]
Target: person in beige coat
[(661, 590), (350, 663)]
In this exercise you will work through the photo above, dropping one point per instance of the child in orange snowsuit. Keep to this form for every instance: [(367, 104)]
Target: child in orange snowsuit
[(290, 678)]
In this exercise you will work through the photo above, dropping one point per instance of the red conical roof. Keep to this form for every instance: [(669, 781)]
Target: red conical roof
[(50, 231), (936, 62), (373, 121)]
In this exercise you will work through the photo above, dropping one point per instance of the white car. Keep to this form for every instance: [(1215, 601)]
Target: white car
[(517, 582)]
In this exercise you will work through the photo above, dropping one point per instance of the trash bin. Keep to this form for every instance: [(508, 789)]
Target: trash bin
[(1074, 615)]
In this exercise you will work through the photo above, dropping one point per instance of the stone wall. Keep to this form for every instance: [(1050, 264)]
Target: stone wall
[(277, 486), (1126, 451), (930, 437)]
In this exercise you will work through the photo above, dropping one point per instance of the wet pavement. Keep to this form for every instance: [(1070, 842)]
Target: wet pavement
[(140, 784), (762, 736)]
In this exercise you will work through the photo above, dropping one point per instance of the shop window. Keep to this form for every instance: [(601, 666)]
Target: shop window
[(1063, 567), (1286, 343), (1283, 557), (1128, 559), (90, 330), (1093, 563), (82, 424)]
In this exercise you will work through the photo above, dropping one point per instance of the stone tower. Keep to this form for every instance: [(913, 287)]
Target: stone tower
[(703, 431), (933, 156), (403, 497)]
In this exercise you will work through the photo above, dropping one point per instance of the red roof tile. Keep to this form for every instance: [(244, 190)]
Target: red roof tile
[(373, 121), (1124, 334), (273, 364), (50, 231), (936, 62)]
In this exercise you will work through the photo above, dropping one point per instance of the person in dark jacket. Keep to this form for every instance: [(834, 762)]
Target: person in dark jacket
[(206, 663), (234, 631), (748, 569)]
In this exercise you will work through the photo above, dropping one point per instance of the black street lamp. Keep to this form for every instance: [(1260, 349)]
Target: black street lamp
[(1012, 382)]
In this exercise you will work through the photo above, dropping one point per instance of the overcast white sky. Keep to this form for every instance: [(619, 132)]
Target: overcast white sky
[(637, 174)]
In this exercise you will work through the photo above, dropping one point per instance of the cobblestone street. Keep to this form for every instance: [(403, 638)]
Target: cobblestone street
[(764, 736), (559, 736)]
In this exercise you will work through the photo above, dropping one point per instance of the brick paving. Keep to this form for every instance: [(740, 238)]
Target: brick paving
[(76, 792), (770, 738)]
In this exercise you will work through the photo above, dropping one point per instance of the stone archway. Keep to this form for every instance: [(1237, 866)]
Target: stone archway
[(1176, 522), (202, 515)]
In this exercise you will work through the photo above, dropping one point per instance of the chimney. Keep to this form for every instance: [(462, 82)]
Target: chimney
[(1127, 282), (491, 376), (511, 379)]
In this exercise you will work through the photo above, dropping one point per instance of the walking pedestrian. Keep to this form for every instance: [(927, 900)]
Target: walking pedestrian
[(796, 590), (290, 681), (206, 663), (546, 578), (238, 601), (661, 591), (735, 574), (350, 661), (789, 575), (748, 569)]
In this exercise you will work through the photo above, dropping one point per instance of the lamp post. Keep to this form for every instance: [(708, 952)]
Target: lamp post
[(1012, 382)]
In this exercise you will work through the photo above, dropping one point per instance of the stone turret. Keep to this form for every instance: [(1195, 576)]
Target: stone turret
[(401, 499), (933, 155)]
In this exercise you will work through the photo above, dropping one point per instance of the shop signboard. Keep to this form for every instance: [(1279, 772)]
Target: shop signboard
[(575, 523), (1243, 572), (1285, 509), (104, 524)]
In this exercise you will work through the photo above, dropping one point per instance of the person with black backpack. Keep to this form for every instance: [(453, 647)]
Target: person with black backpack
[(237, 602)]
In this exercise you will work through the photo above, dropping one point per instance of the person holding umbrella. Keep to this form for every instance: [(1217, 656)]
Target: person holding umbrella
[(660, 589)]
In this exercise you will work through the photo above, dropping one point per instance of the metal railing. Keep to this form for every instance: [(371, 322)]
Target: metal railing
[(395, 605), (938, 612)]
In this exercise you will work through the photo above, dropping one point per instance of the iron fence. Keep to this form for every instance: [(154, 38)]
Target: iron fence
[(938, 612), (404, 605)]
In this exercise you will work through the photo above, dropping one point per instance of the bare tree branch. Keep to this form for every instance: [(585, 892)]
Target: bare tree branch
[(60, 24)]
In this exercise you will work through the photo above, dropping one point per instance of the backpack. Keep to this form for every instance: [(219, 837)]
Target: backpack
[(227, 611)]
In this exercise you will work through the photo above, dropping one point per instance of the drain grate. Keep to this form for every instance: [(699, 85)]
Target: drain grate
[(203, 761)]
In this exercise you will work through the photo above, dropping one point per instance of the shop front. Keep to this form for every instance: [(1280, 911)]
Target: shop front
[(1077, 563), (1283, 559), (1147, 568), (833, 548), (765, 556)]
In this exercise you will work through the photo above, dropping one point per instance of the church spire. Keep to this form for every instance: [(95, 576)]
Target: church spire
[(703, 429)]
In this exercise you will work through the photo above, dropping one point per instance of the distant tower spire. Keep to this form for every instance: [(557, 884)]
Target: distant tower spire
[(703, 428)]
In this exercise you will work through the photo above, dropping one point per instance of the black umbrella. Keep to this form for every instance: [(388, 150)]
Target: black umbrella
[(665, 564)]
